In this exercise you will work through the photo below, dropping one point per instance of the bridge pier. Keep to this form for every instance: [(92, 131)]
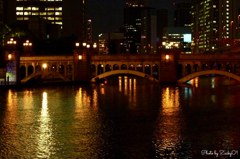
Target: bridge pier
[(168, 66), (81, 63)]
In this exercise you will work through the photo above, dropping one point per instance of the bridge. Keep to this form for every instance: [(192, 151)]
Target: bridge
[(167, 67), (194, 65)]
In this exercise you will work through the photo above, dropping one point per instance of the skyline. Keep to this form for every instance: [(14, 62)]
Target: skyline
[(103, 13)]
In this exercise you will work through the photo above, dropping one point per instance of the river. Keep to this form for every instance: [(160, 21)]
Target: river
[(126, 118)]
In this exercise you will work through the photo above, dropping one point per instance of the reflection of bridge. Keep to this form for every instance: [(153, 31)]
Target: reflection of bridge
[(167, 66)]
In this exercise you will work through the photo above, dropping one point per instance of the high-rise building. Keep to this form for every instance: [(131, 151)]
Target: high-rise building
[(182, 15), (162, 22), (71, 16), (136, 3), (140, 27), (89, 31), (1, 16), (214, 24)]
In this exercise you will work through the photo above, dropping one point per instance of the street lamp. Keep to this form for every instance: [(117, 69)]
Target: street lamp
[(80, 57), (27, 46), (77, 44), (88, 46), (11, 41), (9, 56), (167, 58), (44, 66), (84, 44)]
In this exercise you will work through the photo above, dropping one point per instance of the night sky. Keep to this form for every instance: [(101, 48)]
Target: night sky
[(107, 15)]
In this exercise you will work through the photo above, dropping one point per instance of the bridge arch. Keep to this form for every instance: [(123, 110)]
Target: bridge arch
[(44, 74), (30, 70), (132, 72), (206, 72)]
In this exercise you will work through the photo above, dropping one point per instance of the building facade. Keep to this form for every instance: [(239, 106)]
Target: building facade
[(214, 24), (182, 15), (177, 37), (140, 24), (71, 17)]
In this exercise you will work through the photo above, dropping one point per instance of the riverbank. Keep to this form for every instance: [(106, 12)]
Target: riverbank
[(21, 86)]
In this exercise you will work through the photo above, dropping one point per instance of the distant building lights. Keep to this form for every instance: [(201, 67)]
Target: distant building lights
[(88, 46), (84, 44), (95, 45), (80, 57), (77, 44)]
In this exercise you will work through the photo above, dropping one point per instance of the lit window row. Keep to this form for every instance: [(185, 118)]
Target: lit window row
[(48, 18), (36, 8), (37, 13)]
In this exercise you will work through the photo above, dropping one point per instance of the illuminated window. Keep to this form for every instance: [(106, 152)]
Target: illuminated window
[(59, 23), (25, 18), (35, 8), (50, 18), (27, 8), (27, 13), (35, 13), (43, 13), (58, 18), (58, 13), (49, 8), (19, 13), (50, 13), (59, 8), (19, 18), (19, 8)]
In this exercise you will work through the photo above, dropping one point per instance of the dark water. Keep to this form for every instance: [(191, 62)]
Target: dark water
[(127, 118)]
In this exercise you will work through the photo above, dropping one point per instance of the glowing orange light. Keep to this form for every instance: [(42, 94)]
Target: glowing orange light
[(9, 56), (167, 57), (44, 65), (80, 57)]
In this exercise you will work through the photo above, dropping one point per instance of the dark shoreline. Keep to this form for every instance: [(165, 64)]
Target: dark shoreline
[(21, 86)]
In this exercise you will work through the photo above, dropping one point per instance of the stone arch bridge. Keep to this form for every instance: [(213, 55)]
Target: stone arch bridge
[(168, 66)]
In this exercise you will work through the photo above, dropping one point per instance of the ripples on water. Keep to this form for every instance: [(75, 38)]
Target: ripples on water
[(127, 118)]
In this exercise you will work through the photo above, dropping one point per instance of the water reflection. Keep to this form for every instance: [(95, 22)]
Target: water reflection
[(169, 135), (120, 83), (28, 99), (194, 82), (126, 85), (45, 137)]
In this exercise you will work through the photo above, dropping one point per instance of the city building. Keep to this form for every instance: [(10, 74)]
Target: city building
[(162, 22), (182, 15), (89, 31), (177, 37), (111, 43), (140, 27), (214, 24), (137, 3), (72, 17), (1, 17)]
